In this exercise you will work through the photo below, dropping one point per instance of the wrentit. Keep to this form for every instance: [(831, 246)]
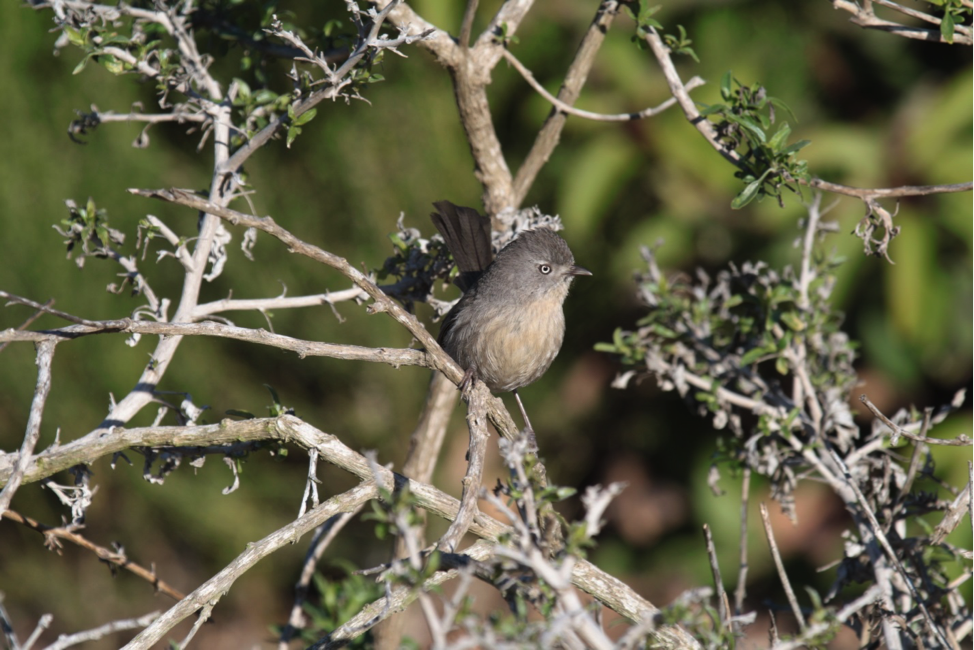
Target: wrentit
[(508, 326)]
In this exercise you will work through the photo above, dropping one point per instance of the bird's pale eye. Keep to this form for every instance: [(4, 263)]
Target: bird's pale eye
[(544, 268)]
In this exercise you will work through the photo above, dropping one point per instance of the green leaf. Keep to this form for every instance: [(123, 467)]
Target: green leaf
[(947, 27), (81, 65), (781, 365), (292, 133), (792, 320), (710, 109), (246, 415), (753, 355), (111, 64), (305, 117), (780, 137), (747, 194), (725, 86), (748, 124), (75, 36), (264, 96), (243, 89), (801, 144)]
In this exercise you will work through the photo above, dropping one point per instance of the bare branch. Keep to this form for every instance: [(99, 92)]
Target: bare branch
[(877, 531), (696, 82), (550, 133), (106, 555), (612, 592), (210, 592), (960, 441), (281, 302), (45, 355), (467, 25), (872, 595), (863, 15), (27, 323), (741, 590), (322, 539), (723, 606), (392, 356), (889, 192), (68, 640), (473, 479), (795, 609)]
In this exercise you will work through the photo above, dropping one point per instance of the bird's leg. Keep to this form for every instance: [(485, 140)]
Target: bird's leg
[(528, 429), (469, 377)]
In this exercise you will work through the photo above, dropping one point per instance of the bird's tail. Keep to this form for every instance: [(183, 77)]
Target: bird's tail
[(467, 235)]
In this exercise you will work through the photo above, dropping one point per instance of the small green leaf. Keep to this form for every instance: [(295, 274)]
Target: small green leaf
[(748, 124), (81, 66), (75, 36), (305, 117), (292, 133), (781, 365), (243, 89), (710, 109), (111, 64), (747, 194), (753, 355), (801, 144), (246, 415), (725, 86), (792, 320), (780, 137), (947, 27)]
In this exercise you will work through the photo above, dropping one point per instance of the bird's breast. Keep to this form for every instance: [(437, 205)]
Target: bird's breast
[(516, 344)]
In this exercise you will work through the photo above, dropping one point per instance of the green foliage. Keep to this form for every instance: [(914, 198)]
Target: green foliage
[(335, 600), (88, 227), (743, 122), (749, 332), (955, 12), (645, 23)]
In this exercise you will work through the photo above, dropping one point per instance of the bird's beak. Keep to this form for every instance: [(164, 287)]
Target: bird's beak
[(579, 270)]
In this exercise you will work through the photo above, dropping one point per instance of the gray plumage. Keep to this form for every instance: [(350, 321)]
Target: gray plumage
[(508, 326)]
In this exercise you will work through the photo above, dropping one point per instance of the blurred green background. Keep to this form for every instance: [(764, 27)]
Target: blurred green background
[(880, 111)]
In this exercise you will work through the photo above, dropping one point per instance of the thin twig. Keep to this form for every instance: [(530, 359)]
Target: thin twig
[(104, 554), (467, 25), (960, 441), (210, 592), (795, 609), (741, 590), (844, 614), (45, 355), (27, 323), (723, 606), (68, 640), (695, 82), (324, 536), (392, 356), (890, 553), (550, 132)]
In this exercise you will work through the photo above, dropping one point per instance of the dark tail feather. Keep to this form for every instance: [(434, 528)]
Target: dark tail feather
[(467, 235)]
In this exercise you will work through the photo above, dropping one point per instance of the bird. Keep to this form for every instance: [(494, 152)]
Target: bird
[(509, 325)]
